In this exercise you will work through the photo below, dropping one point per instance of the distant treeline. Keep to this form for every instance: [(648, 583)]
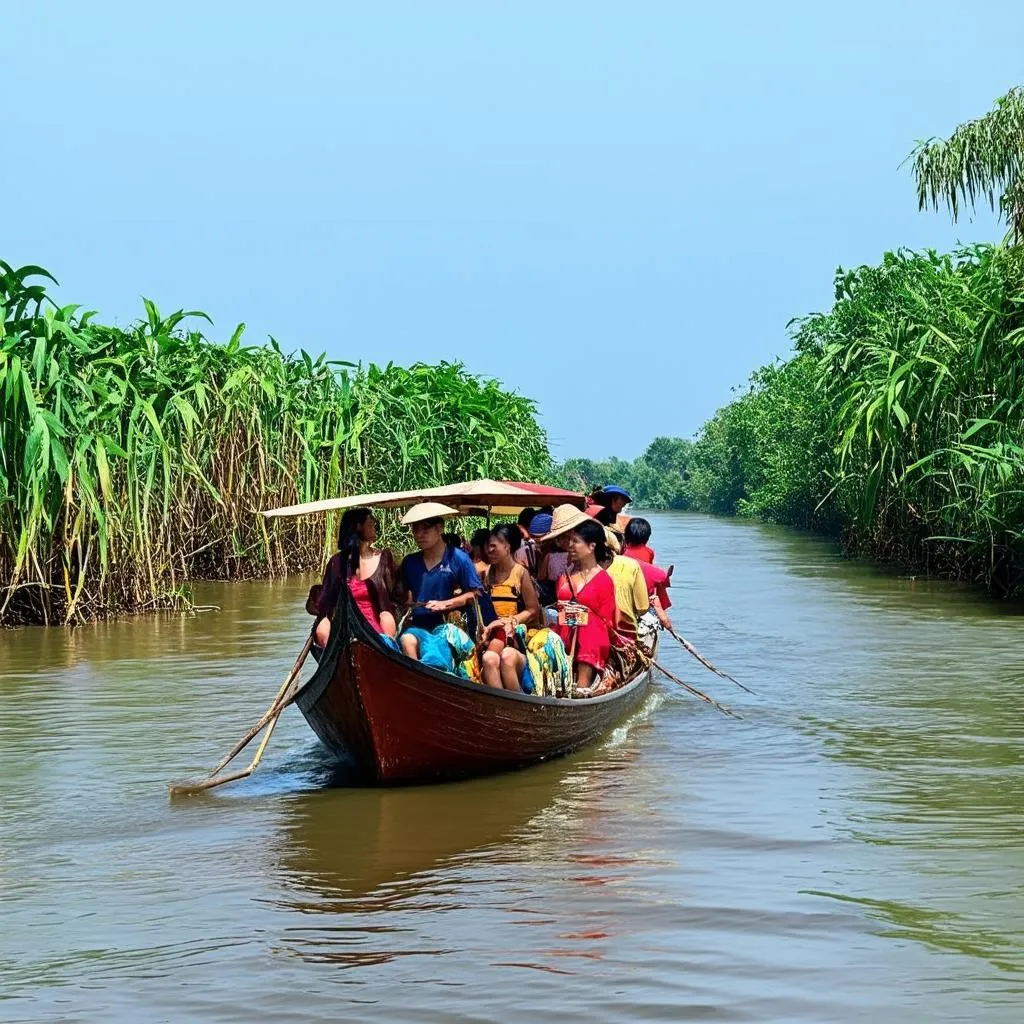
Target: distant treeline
[(897, 426), (135, 461)]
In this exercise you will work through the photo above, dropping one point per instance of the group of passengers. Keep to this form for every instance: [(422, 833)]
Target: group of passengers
[(548, 597)]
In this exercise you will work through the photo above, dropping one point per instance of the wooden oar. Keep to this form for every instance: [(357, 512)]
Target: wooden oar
[(270, 717), (704, 661), (644, 656), (693, 689)]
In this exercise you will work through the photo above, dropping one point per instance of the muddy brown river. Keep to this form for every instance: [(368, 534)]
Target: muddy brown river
[(852, 849)]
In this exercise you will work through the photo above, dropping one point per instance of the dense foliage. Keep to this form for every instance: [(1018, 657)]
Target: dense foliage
[(898, 424), (983, 160), (133, 461)]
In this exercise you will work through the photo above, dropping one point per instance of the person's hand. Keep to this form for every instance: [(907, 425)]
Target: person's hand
[(436, 606), (666, 623)]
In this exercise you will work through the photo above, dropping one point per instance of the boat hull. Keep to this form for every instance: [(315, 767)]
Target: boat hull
[(394, 720)]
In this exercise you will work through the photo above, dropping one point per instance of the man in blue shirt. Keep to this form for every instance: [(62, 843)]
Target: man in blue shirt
[(434, 574)]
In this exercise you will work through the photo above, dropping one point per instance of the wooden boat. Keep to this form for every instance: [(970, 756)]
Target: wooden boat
[(394, 720)]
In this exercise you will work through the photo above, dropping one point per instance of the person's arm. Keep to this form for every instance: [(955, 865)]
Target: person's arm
[(452, 604), (531, 613), (467, 578), (659, 610)]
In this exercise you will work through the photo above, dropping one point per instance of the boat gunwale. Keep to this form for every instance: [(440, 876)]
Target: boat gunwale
[(354, 627)]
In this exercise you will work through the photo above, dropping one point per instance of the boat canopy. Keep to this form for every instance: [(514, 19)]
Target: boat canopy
[(495, 497)]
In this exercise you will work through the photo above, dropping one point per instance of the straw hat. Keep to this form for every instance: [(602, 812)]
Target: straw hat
[(427, 510), (565, 518), (612, 541)]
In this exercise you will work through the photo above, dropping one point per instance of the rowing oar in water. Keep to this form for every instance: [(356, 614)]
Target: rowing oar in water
[(644, 656), (270, 717), (693, 689), (704, 661)]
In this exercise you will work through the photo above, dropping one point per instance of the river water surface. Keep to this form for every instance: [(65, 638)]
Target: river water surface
[(851, 849)]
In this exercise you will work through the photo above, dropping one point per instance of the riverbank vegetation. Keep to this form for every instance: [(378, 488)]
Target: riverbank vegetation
[(898, 423), (134, 461)]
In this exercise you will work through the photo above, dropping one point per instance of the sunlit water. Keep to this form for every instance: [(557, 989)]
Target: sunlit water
[(852, 848)]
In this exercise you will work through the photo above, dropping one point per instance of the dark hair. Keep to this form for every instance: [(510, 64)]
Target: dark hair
[(638, 532), (349, 539), (478, 542), (526, 517), (432, 521), (453, 540), (606, 517), (509, 534), (591, 532)]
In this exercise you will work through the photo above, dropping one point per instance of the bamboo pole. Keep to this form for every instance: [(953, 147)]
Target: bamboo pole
[(270, 717)]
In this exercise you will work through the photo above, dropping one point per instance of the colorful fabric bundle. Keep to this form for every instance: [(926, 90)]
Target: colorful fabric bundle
[(548, 673), (444, 648)]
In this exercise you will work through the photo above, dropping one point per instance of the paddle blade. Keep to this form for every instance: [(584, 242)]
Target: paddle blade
[(187, 787)]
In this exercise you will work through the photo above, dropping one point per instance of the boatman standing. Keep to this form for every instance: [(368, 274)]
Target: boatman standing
[(437, 579)]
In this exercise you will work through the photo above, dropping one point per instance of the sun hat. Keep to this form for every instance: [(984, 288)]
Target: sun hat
[(612, 541), (540, 524), (616, 491), (565, 518), (427, 510)]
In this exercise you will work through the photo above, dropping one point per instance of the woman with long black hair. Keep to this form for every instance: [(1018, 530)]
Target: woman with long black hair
[(369, 573), (586, 595)]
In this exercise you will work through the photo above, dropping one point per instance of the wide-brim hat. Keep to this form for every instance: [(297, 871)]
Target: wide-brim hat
[(428, 510), (612, 540), (616, 492), (564, 519)]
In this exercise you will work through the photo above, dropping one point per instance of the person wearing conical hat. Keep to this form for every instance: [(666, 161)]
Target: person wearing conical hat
[(586, 632), (431, 577)]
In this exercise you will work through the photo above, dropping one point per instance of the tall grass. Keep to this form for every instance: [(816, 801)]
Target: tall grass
[(898, 425), (920, 360), (133, 462)]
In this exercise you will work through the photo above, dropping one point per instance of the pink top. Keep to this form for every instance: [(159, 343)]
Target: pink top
[(361, 593)]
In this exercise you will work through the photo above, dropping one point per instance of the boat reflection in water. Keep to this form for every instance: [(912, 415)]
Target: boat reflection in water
[(368, 876), (343, 847)]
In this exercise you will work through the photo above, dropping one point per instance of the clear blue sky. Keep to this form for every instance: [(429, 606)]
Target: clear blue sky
[(542, 191)]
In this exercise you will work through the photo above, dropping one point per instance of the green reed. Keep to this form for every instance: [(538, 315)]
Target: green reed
[(135, 461)]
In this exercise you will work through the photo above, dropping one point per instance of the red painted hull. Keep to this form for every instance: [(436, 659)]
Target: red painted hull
[(396, 721)]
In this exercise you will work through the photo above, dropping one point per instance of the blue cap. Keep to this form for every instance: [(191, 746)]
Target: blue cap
[(612, 489), (540, 524)]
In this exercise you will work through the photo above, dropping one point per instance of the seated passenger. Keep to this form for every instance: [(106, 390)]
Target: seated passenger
[(515, 603), (478, 549), (369, 573), (554, 557), (455, 540), (586, 596), (637, 534), (631, 595), (528, 554), (430, 579)]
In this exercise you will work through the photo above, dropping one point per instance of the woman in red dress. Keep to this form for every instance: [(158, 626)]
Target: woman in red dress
[(586, 583), (369, 573)]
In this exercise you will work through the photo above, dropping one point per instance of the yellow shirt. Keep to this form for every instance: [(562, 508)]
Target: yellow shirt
[(630, 588)]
